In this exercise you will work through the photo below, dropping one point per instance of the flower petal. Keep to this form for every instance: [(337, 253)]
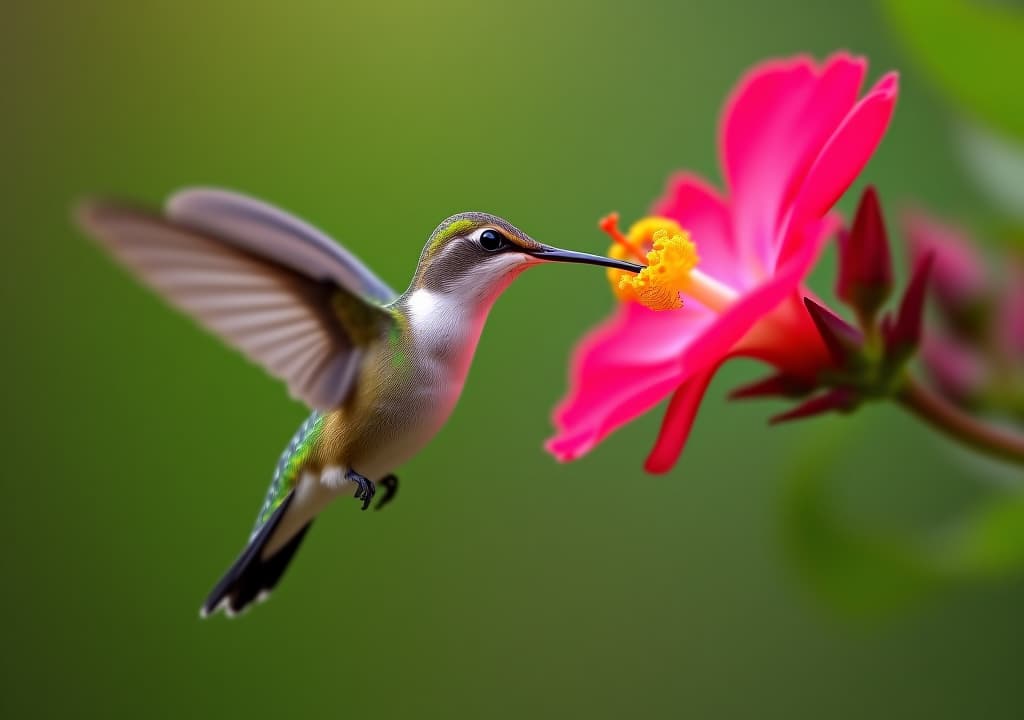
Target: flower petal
[(675, 428), (774, 127), (635, 336), (721, 338), (621, 370), (843, 157), (698, 208), (612, 409), (788, 340)]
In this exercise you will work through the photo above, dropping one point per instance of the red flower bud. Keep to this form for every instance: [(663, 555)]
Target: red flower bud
[(865, 268), (843, 340), (903, 335)]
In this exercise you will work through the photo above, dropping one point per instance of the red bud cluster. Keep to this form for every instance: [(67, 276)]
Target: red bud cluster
[(868, 357)]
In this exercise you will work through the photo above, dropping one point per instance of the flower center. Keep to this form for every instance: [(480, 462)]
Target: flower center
[(671, 258)]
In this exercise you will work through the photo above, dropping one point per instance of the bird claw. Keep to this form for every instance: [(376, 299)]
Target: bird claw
[(390, 484), (366, 489)]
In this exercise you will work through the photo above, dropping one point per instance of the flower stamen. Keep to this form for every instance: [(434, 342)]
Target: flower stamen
[(669, 263), (671, 259), (610, 225)]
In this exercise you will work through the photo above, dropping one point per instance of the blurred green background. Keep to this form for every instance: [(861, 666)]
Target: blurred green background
[(499, 584)]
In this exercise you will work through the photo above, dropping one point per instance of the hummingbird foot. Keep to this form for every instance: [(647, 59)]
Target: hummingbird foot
[(390, 484), (366, 489)]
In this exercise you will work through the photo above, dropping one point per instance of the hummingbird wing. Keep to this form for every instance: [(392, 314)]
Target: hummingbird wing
[(273, 233), (268, 284)]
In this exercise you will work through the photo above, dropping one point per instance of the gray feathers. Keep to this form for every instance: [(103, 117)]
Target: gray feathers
[(260, 279), (267, 231)]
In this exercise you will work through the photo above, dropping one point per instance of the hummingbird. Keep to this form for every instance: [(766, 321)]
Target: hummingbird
[(381, 371)]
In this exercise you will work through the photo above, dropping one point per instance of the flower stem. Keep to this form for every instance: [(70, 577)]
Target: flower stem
[(946, 417)]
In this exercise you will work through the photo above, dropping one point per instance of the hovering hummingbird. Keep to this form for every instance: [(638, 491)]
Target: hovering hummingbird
[(381, 371)]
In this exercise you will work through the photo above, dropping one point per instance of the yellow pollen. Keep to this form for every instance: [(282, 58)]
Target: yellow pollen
[(671, 259), (669, 263)]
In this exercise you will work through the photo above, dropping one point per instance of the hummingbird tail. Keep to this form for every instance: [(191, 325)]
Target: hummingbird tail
[(251, 578)]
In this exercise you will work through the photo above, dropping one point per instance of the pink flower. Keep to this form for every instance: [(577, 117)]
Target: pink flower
[(793, 138), (960, 277), (1010, 322), (976, 355)]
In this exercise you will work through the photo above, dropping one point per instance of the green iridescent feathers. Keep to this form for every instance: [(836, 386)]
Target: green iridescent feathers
[(447, 231), (289, 466), (364, 320)]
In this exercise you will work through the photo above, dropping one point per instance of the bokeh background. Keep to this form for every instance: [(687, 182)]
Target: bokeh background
[(785, 572)]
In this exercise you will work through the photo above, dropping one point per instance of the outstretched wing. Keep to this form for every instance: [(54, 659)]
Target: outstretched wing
[(270, 232), (265, 282)]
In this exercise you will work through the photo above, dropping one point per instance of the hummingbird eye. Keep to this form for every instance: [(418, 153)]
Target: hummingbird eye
[(492, 240)]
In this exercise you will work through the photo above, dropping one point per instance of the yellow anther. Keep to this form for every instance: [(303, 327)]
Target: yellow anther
[(671, 259), (633, 247), (669, 263)]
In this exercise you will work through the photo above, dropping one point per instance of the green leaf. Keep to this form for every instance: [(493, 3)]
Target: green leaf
[(869, 571), (854, 570), (996, 162), (972, 50), (988, 542)]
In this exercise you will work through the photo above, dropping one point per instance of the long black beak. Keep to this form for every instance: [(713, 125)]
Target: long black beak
[(546, 252)]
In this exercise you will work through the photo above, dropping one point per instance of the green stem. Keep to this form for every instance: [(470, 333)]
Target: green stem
[(946, 417)]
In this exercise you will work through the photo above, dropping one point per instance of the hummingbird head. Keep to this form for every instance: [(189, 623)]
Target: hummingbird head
[(475, 256)]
